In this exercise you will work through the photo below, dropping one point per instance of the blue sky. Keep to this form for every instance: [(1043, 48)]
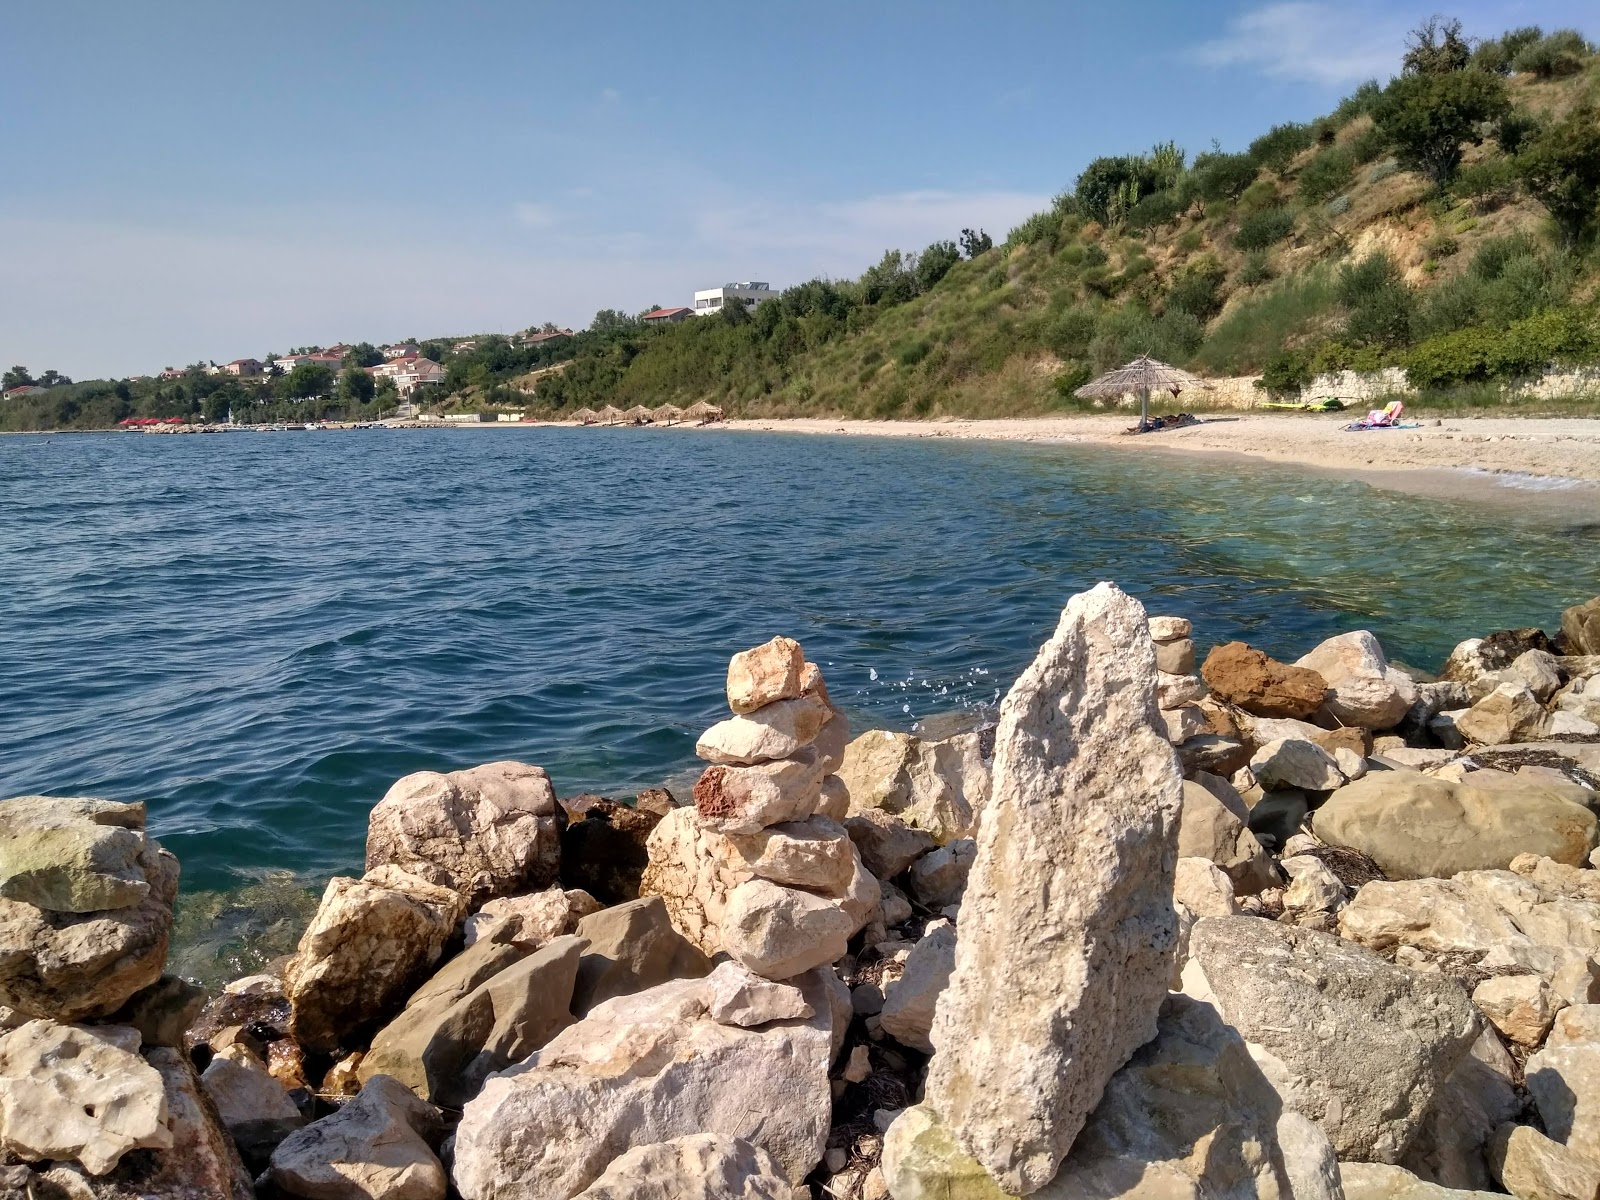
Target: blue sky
[(206, 180)]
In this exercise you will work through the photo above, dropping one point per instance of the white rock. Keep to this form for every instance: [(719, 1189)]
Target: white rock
[(1363, 689), (909, 1003), (1067, 927), (534, 920), (371, 1149), (774, 731), (939, 878), (1292, 763), (767, 673), (735, 995), (1532, 1167), (779, 932), (1519, 1006), (1378, 1181), (735, 799), (1169, 629), (1539, 670), (1202, 888), (1175, 691), (1564, 1079), (701, 1166), (1510, 713), (239, 1085), (1184, 723), (1313, 887)]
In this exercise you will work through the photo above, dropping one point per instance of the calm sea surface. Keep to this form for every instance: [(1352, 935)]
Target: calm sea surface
[(257, 634)]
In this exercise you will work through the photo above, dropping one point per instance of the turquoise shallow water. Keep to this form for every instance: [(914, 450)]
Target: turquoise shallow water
[(257, 634)]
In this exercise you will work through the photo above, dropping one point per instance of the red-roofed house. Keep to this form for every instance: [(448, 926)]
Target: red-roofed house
[(245, 368), (667, 316)]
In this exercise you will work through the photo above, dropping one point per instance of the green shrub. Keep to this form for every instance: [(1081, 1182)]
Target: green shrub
[(1358, 103), (1216, 177), (913, 352), (1383, 170), (1072, 332), (1263, 229), (1191, 240), (1277, 148), (1526, 347), (1496, 54), (1260, 324), (1379, 307), (1514, 129), (1197, 289), (1561, 53), (1039, 229), (1440, 245), (1286, 373), (1338, 206), (1094, 255), (1158, 208), (1327, 174), (1492, 177), (1368, 144), (1259, 195), (1257, 268)]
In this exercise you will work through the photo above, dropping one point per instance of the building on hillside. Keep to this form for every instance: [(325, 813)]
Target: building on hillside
[(546, 335), (749, 294), (667, 316), (173, 373), (244, 368), (409, 373), (290, 361), (333, 360), (26, 389), (465, 347), (401, 350)]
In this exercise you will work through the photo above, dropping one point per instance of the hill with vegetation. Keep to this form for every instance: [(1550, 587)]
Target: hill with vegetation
[(1444, 224)]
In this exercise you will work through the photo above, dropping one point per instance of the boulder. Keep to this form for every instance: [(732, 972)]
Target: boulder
[(1313, 887), (374, 1148), (1277, 817), (494, 830), (645, 1069), (72, 854), (816, 854), (768, 673), (774, 731), (779, 932), (1540, 670), (372, 941), (1362, 688), (1359, 1045), (1189, 1115), (604, 850), (735, 995), (1291, 763), (253, 1106), (1564, 1079), (1175, 657), (1452, 1147), (1177, 691), (74, 966), (453, 1035), (701, 1166), (887, 844), (1201, 887), (936, 786), (1214, 826), (531, 920), (1580, 628), (1245, 676), (746, 799), (162, 1012), (1379, 1181), (1510, 713), (79, 1092), (1533, 1167), (939, 878), (632, 947), (202, 1160), (1181, 724), (1520, 1006), (1415, 825), (909, 1001), (1067, 927)]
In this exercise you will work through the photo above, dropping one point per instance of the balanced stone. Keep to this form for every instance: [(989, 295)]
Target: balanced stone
[(773, 731), (770, 672), (1243, 675)]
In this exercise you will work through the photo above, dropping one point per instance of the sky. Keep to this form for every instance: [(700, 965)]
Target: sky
[(202, 180)]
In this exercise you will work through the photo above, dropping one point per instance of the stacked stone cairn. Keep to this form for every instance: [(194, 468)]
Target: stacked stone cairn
[(761, 866)]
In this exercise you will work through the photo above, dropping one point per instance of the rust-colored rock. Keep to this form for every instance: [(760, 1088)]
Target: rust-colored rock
[(1245, 676)]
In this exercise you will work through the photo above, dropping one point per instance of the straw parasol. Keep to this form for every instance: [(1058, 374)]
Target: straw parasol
[(585, 416), (609, 414), (667, 413), (1143, 375), (703, 411), (637, 415)]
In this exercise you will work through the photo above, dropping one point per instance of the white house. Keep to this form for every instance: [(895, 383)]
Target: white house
[(749, 294), (409, 373)]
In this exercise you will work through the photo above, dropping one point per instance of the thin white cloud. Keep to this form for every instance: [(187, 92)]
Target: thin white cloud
[(536, 216), (610, 96), (1311, 42)]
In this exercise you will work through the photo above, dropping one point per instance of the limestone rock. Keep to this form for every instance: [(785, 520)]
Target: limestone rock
[(604, 848), (371, 942), (779, 932), (1189, 1115), (746, 799), (202, 1160), (371, 1149), (1245, 676), (1452, 1146), (817, 855), (1564, 1079), (1580, 627), (1181, 724), (1175, 657), (735, 995), (1176, 691), (765, 674), (1532, 1167), (162, 1012), (1363, 689), (1292, 763), (532, 920), (932, 785), (1067, 927), (490, 831), (73, 966), (1510, 713), (1415, 825), (79, 1092), (1519, 1006), (774, 731), (1169, 629), (1379, 1181), (1278, 816), (1201, 887), (701, 1166), (887, 844), (939, 878), (644, 1069), (1313, 887), (1540, 670), (245, 1094), (1358, 1045), (632, 947), (908, 1005), (76, 855), (1214, 826)]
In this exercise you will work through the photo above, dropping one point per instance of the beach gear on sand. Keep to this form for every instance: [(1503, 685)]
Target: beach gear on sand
[(1140, 377), (1388, 417), (1326, 404)]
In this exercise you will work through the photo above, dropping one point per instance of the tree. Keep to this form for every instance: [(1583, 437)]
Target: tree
[(1379, 306), (1436, 47), (1428, 118), (1560, 167), (934, 263), (17, 377), (306, 381), (362, 354), (356, 386), (52, 379), (735, 311), (974, 243), (217, 405), (611, 320)]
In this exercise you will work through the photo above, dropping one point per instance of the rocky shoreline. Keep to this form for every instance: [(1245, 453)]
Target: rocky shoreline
[(1231, 927)]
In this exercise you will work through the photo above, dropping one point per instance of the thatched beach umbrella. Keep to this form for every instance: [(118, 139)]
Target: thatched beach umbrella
[(609, 414), (637, 415), (667, 413), (1143, 376), (703, 411), (585, 416)]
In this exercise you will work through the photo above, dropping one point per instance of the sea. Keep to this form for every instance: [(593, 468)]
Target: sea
[(256, 634)]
